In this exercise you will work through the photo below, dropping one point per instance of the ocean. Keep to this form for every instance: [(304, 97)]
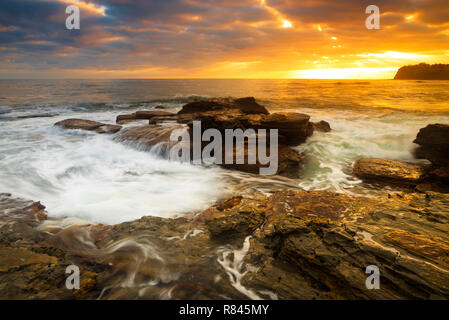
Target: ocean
[(85, 177)]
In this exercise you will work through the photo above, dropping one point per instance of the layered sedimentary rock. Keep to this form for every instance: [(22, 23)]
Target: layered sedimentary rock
[(291, 245), (88, 125)]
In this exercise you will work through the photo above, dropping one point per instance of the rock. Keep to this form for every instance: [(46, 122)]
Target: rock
[(148, 114), (180, 118), (126, 118), (15, 258), (390, 171), (203, 106), (31, 267), (146, 137), (290, 245), (141, 115), (434, 144), (88, 125), (79, 124), (420, 245), (294, 127), (245, 105), (109, 128), (433, 135), (222, 114), (250, 106), (440, 174), (289, 161), (322, 126)]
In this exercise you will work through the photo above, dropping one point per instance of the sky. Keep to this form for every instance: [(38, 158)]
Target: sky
[(321, 39)]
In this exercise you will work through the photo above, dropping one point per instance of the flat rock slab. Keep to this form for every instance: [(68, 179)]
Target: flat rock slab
[(389, 171)]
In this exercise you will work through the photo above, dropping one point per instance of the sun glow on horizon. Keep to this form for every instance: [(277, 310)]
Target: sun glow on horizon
[(345, 73)]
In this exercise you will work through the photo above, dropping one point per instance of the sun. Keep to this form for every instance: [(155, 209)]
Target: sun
[(286, 24)]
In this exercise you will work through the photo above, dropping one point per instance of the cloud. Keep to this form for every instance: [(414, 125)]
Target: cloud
[(196, 38)]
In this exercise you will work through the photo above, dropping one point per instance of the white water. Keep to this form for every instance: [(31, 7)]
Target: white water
[(89, 176), (329, 156), (86, 176)]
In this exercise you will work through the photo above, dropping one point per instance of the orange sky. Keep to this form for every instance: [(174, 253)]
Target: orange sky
[(317, 39)]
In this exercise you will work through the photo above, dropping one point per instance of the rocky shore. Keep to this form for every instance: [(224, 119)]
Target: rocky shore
[(219, 114), (290, 244)]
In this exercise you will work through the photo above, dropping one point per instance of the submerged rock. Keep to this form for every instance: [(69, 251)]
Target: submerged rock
[(89, 125), (390, 171)]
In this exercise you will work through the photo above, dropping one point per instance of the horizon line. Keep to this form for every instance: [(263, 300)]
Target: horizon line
[(197, 78)]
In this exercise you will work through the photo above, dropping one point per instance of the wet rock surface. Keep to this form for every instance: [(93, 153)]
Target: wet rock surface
[(147, 137), (223, 114), (88, 125), (291, 245), (31, 267), (141, 115), (390, 171)]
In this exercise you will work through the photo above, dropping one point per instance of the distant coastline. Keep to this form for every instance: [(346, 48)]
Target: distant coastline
[(423, 71)]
